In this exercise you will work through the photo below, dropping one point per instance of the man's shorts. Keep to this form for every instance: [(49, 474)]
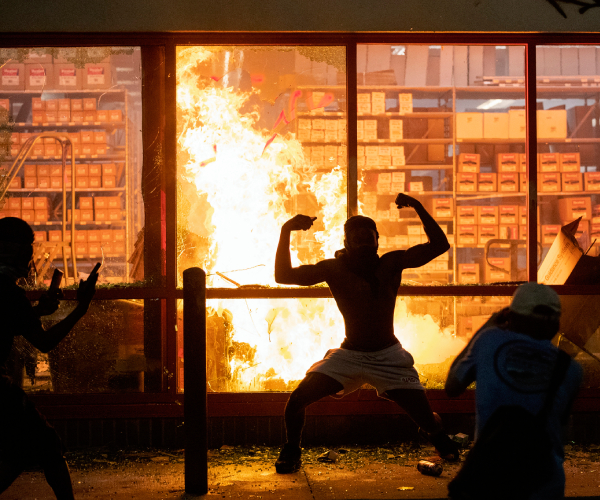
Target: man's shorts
[(390, 368)]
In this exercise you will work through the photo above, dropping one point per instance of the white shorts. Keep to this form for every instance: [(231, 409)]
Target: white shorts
[(390, 368)]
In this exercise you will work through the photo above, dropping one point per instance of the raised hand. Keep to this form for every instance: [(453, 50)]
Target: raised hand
[(299, 222), (86, 290), (403, 200)]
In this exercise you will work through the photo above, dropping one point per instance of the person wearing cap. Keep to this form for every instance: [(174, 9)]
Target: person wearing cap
[(511, 358), (25, 435), (364, 286)]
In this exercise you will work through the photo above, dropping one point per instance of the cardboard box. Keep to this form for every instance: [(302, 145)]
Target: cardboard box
[(27, 215), (14, 213), (487, 182), (41, 203), (87, 215), (523, 215), (548, 162), (517, 124), (116, 116), (55, 182), (105, 235), (487, 215), (468, 162), (63, 116), (94, 249), (54, 236), (98, 76), (469, 125), (552, 124), (467, 214), (508, 214), (592, 181), (509, 231), (39, 76), (100, 202), (109, 181), (102, 117), (86, 202), (12, 77), (30, 182), (77, 116), (486, 232), (495, 125), (37, 104), (51, 150), (55, 170), (466, 182), (77, 215), (442, 207), (29, 170), (95, 169), (81, 169), (563, 256), (38, 117), (466, 234), (549, 233), (468, 273), (13, 204), (41, 215), (572, 181), (114, 214), (88, 149), (27, 203), (549, 182), (523, 232), (82, 236), (86, 136), (507, 162), (39, 236), (508, 182), (118, 235), (82, 182), (572, 208), (81, 249), (67, 77), (523, 162), (101, 214), (93, 235), (113, 202), (523, 182), (570, 162), (497, 269), (95, 182), (77, 104)]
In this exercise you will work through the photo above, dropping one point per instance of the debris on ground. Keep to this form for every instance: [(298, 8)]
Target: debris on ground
[(461, 439), (329, 457)]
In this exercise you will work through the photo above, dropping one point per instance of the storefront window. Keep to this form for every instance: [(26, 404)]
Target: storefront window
[(446, 124), (105, 352), (92, 97), (568, 80), (261, 137)]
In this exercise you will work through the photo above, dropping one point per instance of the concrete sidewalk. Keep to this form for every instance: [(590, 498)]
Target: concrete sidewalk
[(248, 473)]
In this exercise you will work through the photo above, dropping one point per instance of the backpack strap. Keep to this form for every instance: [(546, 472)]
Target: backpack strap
[(563, 361)]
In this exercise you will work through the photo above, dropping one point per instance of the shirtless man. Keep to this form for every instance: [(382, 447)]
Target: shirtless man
[(364, 287)]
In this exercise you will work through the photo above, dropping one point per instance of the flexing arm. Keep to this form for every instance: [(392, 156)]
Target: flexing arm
[(419, 255), (47, 340), (284, 272)]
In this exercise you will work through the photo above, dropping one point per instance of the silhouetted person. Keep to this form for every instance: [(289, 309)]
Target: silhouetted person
[(25, 436), (364, 287), (512, 360)]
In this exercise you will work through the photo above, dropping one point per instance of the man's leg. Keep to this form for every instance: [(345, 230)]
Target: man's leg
[(58, 476), (415, 403), (314, 387)]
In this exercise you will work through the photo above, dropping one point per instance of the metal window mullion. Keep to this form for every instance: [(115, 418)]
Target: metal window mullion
[(531, 151), (351, 114)]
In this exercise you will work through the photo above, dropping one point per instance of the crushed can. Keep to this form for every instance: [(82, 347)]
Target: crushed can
[(429, 468)]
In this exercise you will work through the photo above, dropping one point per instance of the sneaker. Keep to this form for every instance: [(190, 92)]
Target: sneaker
[(446, 448), (289, 460)]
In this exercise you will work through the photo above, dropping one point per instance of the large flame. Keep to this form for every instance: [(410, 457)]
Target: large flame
[(246, 177)]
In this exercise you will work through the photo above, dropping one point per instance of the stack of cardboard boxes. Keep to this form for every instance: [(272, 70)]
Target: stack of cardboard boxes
[(551, 124)]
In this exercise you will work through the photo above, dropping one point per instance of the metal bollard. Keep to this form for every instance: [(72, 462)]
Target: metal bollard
[(194, 381)]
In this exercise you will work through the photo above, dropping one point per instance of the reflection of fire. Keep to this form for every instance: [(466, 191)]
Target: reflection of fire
[(238, 194)]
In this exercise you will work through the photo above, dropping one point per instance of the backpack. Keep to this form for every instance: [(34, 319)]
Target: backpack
[(512, 456)]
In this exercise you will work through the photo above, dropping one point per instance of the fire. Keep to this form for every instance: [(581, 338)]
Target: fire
[(240, 179)]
